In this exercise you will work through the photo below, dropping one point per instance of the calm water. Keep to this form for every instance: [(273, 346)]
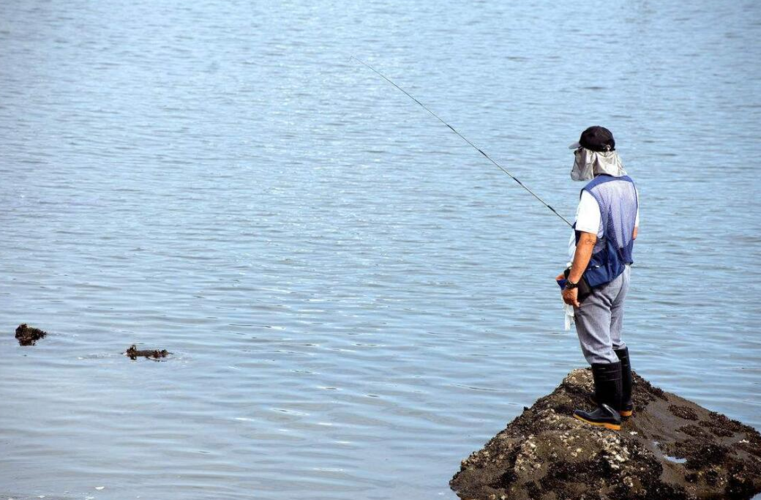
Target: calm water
[(355, 299)]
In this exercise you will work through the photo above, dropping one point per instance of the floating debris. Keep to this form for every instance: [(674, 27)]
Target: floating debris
[(27, 335), (134, 353)]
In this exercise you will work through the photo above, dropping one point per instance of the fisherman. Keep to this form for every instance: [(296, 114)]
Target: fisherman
[(607, 221), (605, 229)]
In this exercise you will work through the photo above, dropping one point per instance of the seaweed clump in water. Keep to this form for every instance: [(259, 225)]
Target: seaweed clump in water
[(134, 353), (27, 335)]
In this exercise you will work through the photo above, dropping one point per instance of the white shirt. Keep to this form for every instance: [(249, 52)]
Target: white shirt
[(589, 220)]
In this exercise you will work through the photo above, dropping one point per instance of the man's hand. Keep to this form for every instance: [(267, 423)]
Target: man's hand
[(580, 261), (571, 297)]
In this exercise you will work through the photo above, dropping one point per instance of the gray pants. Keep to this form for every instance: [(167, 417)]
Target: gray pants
[(600, 319)]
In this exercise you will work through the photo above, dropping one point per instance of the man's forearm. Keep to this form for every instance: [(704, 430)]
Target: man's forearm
[(582, 256)]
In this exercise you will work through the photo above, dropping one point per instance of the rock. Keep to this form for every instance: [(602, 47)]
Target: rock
[(671, 449), (134, 353), (27, 335)]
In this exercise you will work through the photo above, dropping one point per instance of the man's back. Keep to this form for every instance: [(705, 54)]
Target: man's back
[(617, 204)]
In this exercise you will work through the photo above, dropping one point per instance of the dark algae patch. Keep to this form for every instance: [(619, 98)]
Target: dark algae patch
[(26, 335), (671, 449), (134, 353), (683, 412)]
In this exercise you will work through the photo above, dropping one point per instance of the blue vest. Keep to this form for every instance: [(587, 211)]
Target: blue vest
[(617, 198)]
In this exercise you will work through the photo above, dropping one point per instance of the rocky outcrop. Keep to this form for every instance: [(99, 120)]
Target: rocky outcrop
[(671, 449)]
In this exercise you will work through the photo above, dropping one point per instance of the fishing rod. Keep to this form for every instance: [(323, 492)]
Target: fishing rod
[(464, 138)]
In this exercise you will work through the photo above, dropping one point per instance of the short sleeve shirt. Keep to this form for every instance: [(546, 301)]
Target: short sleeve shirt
[(589, 220)]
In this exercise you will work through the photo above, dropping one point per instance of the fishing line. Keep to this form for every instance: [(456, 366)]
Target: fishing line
[(464, 138)]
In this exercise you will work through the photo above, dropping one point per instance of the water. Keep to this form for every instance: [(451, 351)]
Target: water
[(355, 300)]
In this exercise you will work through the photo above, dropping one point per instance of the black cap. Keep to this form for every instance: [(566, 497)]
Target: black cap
[(596, 138)]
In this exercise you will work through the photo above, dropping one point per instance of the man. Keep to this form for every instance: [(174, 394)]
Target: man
[(607, 222)]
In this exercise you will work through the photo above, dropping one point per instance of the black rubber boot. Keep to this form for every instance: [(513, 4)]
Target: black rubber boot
[(607, 379), (627, 381)]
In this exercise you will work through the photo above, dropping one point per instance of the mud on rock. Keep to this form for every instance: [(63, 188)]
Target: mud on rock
[(671, 449)]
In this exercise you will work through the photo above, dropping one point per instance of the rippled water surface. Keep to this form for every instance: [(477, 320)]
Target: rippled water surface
[(354, 299)]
